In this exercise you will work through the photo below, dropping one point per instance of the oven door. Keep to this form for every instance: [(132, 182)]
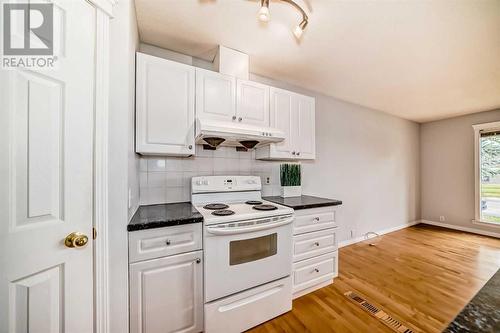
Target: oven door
[(245, 254)]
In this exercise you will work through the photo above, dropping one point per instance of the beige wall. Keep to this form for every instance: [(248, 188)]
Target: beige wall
[(447, 169), (370, 161)]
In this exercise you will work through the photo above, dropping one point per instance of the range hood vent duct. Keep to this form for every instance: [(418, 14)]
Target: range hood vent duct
[(249, 144), (214, 141)]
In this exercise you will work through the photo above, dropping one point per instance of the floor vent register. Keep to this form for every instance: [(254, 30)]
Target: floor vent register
[(381, 315)]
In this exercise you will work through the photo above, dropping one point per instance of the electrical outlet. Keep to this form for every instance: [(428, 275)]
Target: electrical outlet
[(352, 234), (442, 218), (129, 198), (268, 180)]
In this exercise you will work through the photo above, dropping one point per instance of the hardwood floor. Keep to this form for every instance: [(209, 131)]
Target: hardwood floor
[(421, 275)]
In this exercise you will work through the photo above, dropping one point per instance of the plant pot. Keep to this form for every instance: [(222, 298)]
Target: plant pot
[(291, 191)]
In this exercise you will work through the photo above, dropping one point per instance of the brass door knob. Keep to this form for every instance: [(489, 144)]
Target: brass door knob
[(76, 239)]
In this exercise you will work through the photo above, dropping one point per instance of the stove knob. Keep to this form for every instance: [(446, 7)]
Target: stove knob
[(199, 182), (205, 182)]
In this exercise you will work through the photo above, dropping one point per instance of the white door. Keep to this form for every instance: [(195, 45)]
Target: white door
[(165, 107), (166, 294), (306, 143), (46, 147), (281, 117), (215, 96), (252, 103)]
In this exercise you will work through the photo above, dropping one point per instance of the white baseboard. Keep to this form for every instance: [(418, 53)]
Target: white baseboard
[(461, 228), (380, 232)]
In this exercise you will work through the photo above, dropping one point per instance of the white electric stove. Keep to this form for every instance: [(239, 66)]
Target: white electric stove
[(247, 250)]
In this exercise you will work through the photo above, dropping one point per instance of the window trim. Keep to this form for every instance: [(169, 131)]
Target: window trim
[(477, 182)]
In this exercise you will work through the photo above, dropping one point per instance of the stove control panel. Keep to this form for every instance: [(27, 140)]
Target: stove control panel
[(210, 184)]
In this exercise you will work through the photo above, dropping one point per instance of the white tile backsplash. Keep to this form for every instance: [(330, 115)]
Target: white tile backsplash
[(157, 179), (174, 179), (168, 179), (156, 165)]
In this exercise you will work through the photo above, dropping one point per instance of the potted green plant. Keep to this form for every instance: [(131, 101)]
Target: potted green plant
[(290, 180)]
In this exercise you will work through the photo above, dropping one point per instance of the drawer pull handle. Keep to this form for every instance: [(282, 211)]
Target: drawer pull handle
[(316, 218), (198, 260), (316, 243), (168, 242), (316, 270)]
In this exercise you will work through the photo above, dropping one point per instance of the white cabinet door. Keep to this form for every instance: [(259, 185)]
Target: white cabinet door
[(166, 294), (165, 107), (281, 117), (252, 103), (305, 142), (294, 114), (215, 96)]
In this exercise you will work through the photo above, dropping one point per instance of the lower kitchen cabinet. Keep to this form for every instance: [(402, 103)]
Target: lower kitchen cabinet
[(315, 255), (166, 294)]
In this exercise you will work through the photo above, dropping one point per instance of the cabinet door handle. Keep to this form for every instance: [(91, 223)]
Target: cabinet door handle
[(240, 119), (198, 260), (190, 147), (316, 270), (316, 219), (298, 153), (234, 117), (167, 242), (316, 243), (293, 153)]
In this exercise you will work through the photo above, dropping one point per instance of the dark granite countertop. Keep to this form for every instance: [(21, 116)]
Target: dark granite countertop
[(164, 215), (304, 202), (482, 314)]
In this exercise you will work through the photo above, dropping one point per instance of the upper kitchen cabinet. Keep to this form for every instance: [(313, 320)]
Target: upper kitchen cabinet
[(215, 96), (294, 114), (165, 107), (305, 140), (252, 103), (225, 98)]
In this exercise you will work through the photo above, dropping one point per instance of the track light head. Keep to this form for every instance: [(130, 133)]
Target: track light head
[(299, 30), (264, 11)]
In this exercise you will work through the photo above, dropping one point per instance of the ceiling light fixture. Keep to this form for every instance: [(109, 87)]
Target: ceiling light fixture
[(299, 30), (264, 10)]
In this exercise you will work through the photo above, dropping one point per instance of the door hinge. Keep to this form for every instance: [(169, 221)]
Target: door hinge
[(94, 233)]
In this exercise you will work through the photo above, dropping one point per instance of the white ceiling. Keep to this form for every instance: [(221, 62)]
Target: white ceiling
[(417, 59)]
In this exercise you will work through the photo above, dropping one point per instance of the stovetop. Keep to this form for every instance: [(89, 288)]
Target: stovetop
[(242, 211), (223, 199)]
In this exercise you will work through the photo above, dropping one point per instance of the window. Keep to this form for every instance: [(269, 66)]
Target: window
[(248, 250), (487, 173)]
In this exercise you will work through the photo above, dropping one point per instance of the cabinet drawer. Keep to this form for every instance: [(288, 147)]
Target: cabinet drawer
[(246, 309), (314, 243), (314, 219), (310, 272), (155, 243)]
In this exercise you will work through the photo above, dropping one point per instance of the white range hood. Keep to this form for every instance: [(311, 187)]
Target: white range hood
[(235, 133)]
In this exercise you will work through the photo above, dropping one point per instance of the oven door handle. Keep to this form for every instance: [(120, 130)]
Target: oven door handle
[(232, 230)]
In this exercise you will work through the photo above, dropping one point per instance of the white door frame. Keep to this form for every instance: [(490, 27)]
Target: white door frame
[(101, 255)]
